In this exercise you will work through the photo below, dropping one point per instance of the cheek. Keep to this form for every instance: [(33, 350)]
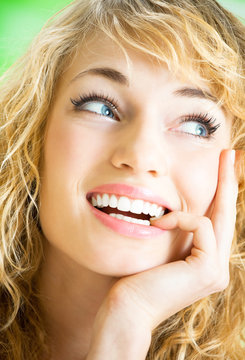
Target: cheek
[(198, 182), (71, 151), (69, 156)]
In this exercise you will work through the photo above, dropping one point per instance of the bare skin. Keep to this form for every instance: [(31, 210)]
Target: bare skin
[(97, 285), (71, 305), (148, 298), (136, 304)]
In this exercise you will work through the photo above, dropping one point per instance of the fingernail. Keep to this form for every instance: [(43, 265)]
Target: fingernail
[(233, 156), (155, 217)]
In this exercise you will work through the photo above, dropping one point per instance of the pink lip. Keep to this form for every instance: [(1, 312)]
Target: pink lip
[(126, 228), (130, 191), (123, 227)]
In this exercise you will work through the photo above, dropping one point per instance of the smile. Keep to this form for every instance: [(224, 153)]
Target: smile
[(135, 211), (127, 209)]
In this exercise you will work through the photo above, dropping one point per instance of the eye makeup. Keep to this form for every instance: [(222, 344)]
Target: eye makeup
[(204, 120), (93, 96), (207, 122)]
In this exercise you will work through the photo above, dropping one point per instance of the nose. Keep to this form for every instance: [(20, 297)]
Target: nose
[(140, 150)]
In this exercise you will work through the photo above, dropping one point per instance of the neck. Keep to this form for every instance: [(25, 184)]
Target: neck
[(71, 296)]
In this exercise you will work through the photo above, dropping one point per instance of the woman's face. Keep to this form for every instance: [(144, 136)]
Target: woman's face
[(142, 128)]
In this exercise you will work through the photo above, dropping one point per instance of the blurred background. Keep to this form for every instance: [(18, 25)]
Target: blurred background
[(21, 20)]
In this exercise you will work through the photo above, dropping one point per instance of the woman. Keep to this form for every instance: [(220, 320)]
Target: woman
[(120, 235)]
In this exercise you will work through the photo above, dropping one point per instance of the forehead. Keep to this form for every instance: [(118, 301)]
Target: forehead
[(149, 85), (100, 51)]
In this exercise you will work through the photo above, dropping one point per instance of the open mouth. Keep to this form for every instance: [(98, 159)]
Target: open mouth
[(124, 208)]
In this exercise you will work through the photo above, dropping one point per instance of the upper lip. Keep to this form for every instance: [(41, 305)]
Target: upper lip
[(131, 192)]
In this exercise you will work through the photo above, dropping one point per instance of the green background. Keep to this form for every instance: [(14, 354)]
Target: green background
[(20, 21)]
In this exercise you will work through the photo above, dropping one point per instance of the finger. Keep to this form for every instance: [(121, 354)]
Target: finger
[(200, 226), (224, 210)]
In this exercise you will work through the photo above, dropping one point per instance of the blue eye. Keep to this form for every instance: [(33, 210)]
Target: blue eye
[(97, 104), (199, 125), (194, 128), (98, 108)]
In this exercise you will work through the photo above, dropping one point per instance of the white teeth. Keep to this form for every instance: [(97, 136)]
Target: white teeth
[(137, 206), (153, 209), (159, 212), (94, 202), (146, 208), (123, 203), (105, 200), (99, 200), (129, 219), (113, 201)]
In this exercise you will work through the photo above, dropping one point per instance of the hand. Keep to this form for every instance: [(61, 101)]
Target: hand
[(158, 293), (146, 299)]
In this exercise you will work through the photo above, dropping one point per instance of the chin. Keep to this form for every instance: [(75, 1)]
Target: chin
[(125, 267)]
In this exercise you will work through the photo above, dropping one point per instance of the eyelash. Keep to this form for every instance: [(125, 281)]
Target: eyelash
[(93, 96), (203, 119)]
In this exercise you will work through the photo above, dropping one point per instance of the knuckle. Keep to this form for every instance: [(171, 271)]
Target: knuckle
[(178, 213), (204, 222)]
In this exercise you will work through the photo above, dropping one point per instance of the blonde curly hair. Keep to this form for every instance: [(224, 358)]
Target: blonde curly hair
[(167, 30)]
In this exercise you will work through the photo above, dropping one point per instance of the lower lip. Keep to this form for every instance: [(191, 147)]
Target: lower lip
[(126, 228)]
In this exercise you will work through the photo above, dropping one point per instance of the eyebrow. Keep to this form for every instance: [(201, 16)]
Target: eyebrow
[(195, 93), (106, 72), (117, 76)]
